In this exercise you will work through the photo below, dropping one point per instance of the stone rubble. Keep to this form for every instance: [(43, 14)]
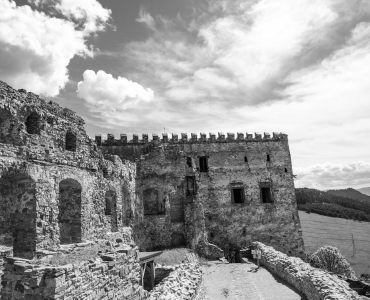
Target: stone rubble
[(184, 283)]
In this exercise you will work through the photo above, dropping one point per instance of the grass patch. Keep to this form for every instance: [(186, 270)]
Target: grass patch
[(172, 256), (351, 238)]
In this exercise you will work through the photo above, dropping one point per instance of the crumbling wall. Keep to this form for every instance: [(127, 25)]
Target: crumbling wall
[(110, 276), (184, 283), (75, 211), (43, 149), (316, 284), (233, 190), (160, 185), (231, 224)]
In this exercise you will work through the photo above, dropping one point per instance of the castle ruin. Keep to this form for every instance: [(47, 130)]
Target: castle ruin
[(58, 186)]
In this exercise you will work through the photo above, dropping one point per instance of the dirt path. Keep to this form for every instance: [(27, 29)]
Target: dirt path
[(237, 281)]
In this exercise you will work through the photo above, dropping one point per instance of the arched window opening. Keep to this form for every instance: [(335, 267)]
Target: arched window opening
[(71, 141), (268, 157), (286, 170), (245, 159), (111, 209), (33, 123), (70, 211)]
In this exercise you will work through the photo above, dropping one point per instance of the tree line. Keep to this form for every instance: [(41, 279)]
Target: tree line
[(327, 204)]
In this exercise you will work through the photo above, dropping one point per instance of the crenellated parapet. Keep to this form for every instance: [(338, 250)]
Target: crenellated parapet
[(186, 138)]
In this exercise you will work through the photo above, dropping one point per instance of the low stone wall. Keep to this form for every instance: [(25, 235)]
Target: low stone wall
[(5, 251), (110, 276), (184, 283), (316, 284)]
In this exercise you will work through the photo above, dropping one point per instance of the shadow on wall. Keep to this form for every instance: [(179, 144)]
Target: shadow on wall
[(70, 211), (17, 195)]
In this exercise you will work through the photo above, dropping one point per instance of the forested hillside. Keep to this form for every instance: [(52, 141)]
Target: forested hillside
[(350, 193), (332, 205)]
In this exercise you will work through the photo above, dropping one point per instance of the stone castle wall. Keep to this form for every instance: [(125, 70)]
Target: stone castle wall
[(55, 185), (200, 205), (113, 277), (58, 186)]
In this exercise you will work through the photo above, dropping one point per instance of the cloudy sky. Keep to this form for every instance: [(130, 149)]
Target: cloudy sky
[(138, 66)]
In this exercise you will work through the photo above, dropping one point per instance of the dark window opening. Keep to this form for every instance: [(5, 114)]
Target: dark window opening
[(189, 162), (286, 170), (190, 186), (33, 123), (71, 141), (50, 121), (108, 205), (266, 195), (238, 195), (245, 159), (268, 157), (211, 235), (203, 164), (70, 209)]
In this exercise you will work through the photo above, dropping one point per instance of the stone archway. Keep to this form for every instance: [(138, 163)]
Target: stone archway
[(69, 218)]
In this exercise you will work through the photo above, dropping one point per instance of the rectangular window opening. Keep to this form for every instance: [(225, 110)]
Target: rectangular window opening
[(189, 162), (203, 164), (238, 195), (190, 186), (266, 195)]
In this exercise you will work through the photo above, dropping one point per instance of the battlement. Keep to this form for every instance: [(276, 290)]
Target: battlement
[(185, 138), (11, 98)]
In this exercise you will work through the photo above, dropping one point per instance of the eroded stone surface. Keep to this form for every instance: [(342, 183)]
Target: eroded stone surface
[(316, 284), (184, 283), (60, 189)]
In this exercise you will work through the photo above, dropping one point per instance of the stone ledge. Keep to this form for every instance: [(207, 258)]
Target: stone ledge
[(316, 284), (184, 283)]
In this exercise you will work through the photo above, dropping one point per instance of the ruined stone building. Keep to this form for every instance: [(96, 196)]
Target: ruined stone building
[(59, 186)]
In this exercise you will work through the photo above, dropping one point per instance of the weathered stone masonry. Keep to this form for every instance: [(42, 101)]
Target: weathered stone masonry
[(51, 195), (228, 190), (58, 186)]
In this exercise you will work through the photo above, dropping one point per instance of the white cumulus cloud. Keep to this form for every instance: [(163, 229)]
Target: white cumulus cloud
[(327, 175), (104, 93), (35, 48)]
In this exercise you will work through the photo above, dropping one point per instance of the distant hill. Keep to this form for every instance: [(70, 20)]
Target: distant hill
[(329, 204), (365, 190), (350, 193)]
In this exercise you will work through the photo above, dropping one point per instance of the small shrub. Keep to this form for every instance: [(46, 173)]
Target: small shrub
[(330, 259)]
